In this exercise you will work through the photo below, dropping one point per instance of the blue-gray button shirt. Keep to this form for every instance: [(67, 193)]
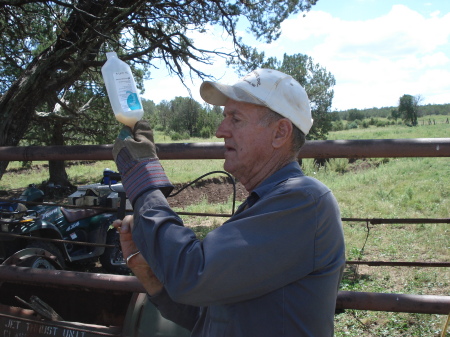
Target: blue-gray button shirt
[(273, 269)]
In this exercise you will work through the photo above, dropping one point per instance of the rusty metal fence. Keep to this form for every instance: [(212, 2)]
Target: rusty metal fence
[(424, 304), (369, 148), (357, 149)]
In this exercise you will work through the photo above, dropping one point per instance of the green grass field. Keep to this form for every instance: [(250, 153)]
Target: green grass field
[(374, 188), (437, 129)]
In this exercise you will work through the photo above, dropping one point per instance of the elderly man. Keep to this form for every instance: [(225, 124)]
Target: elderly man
[(273, 269)]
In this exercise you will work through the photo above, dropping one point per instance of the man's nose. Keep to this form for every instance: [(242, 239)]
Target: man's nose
[(222, 130)]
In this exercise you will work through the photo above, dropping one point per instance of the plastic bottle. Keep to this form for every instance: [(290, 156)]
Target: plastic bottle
[(122, 91)]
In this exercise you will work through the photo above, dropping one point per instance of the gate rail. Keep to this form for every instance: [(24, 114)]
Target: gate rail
[(357, 149), (426, 304), (366, 148)]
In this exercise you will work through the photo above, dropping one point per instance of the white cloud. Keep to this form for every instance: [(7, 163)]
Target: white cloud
[(377, 60), (314, 24), (435, 13), (374, 61)]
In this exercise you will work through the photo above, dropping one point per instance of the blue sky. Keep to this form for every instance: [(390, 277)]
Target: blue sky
[(377, 51)]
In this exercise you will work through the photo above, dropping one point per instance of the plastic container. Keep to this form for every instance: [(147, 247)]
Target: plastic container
[(122, 91)]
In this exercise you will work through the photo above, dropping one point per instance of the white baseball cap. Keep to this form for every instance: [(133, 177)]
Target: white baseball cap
[(267, 87)]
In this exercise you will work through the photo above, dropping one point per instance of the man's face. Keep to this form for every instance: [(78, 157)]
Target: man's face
[(248, 143)]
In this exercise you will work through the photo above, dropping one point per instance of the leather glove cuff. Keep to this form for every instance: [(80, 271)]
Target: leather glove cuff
[(139, 176)]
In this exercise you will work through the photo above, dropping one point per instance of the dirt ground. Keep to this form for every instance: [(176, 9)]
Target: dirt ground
[(214, 190)]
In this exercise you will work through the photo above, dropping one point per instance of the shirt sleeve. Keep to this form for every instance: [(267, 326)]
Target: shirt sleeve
[(273, 243), (182, 314)]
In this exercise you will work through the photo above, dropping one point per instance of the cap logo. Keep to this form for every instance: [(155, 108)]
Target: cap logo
[(253, 79)]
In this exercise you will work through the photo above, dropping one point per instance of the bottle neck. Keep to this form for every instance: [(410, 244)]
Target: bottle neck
[(111, 55)]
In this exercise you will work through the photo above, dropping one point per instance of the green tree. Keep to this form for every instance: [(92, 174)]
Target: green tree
[(395, 114), (185, 115), (316, 80), (354, 114), (150, 111), (408, 108), (334, 116), (164, 114), (47, 45), (210, 118)]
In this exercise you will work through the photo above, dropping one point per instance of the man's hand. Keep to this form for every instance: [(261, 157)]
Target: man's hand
[(138, 142), (137, 263), (124, 228), (134, 152)]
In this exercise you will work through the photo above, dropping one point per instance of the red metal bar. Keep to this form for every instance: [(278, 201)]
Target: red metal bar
[(423, 304), (379, 221), (368, 148), (377, 148), (401, 264), (429, 304), (70, 279)]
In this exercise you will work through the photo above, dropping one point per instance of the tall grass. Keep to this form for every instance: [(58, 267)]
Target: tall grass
[(401, 187)]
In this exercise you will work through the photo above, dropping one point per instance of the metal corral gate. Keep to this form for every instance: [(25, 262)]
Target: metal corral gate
[(357, 149), (369, 148)]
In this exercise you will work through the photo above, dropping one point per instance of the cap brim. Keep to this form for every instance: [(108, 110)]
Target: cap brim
[(218, 94), (212, 93)]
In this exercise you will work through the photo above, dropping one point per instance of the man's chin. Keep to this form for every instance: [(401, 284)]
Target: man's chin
[(228, 166)]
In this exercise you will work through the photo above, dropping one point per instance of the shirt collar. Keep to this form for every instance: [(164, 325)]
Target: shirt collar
[(290, 170)]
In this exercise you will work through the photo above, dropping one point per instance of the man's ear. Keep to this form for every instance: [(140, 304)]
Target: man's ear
[(282, 133)]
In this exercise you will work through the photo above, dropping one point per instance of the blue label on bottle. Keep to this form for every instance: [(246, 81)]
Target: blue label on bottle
[(133, 101)]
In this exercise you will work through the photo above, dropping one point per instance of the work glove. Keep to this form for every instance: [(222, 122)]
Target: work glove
[(134, 152)]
